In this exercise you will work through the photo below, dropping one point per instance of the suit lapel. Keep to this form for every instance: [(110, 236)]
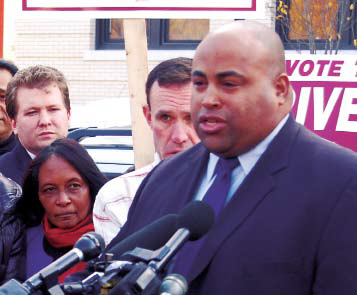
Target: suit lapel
[(185, 179), (256, 186), (21, 162)]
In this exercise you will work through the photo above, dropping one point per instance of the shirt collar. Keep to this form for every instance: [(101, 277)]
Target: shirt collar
[(156, 158), (32, 156), (250, 158)]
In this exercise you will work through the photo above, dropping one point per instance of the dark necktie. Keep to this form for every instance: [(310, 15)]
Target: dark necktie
[(216, 196)]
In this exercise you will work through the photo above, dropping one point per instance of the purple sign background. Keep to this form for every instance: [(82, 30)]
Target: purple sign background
[(347, 138)]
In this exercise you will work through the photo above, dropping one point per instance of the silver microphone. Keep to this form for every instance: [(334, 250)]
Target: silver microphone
[(173, 284)]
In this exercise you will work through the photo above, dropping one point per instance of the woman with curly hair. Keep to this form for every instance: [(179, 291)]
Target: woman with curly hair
[(59, 190)]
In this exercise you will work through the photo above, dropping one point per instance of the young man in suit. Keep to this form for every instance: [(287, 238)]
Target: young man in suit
[(37, 102), (288, 222)]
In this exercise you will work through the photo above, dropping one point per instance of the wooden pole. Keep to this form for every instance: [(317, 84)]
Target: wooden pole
[(136, 55)]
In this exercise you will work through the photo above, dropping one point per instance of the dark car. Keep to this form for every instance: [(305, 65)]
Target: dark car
[(110, 148)]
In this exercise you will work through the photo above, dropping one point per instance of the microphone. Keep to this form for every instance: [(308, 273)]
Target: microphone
[(149, 237), (173, 284), (194, 221), (89, 246)]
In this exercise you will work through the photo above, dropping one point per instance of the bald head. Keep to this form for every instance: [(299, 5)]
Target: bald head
[(240, 89), (265, 42)]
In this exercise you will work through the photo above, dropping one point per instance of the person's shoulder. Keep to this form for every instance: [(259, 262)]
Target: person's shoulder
[(326, 150), (9, 189), (111, 189), (16, 152), (141, 172), (4, 158), (10, 194), (119, 185), (326, 162)]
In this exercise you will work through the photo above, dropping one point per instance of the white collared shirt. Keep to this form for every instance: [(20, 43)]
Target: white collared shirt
[(32, 156), (247, 162), (113, 201)]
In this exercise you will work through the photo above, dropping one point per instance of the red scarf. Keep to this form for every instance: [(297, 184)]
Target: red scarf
[(59, 238)]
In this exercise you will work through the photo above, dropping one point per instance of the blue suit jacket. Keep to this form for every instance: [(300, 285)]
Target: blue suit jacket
[(15, 163), (290, 229)]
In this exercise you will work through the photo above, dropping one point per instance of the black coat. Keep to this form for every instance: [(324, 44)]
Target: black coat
[(14, 164), (12, 236)]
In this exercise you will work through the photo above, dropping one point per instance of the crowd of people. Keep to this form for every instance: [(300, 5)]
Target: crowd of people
[(284, 199)]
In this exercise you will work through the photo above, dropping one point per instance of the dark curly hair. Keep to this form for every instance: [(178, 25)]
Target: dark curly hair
[(29, 206)]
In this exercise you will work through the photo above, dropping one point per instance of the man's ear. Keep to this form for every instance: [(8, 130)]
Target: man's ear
[(13, 123), (147, 114), (282, 88)]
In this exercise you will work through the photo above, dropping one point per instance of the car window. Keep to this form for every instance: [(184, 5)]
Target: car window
[(110, 148)]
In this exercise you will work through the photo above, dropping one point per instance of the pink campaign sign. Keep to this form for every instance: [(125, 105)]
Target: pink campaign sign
[(329, 110), (326, 97)]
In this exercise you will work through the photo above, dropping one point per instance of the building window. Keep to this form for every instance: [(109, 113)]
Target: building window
[(317, 24), (161, 33)]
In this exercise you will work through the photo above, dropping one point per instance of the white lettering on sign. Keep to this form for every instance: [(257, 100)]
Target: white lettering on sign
[(321, 116), (322, 112), (303, 104), (347, 108)]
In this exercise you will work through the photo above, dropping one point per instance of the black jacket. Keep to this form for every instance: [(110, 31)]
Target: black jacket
[(8, 144), (14, 163), (12, 234)]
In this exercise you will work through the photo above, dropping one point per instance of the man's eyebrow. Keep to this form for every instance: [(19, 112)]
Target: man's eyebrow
[(198, 74), (229, 74), (30, 108), (163, 112)]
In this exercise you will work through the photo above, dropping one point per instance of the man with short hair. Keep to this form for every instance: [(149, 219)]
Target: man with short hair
[(7, 136), (37, 102), (284, 199), (168, 93)]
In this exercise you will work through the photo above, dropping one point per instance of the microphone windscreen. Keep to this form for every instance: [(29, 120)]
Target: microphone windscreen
[(150, 237), (173, 284), (91, 244), (197, 217)]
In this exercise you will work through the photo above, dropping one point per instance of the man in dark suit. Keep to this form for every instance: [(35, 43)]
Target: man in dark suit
[(289, 221), (37, 102)]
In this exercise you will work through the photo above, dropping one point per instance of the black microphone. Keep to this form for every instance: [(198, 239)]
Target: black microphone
[(194, 221), (89, 246), (173, 284), (149, 237)]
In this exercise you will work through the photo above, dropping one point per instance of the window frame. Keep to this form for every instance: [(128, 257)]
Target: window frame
[(157, 35), (346, 42)]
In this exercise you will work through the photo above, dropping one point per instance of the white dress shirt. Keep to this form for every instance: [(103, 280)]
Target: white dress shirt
[(247, 162)]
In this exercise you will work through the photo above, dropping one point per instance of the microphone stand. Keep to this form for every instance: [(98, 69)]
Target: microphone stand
[(13, 287), (145, 279), (142, 279)]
